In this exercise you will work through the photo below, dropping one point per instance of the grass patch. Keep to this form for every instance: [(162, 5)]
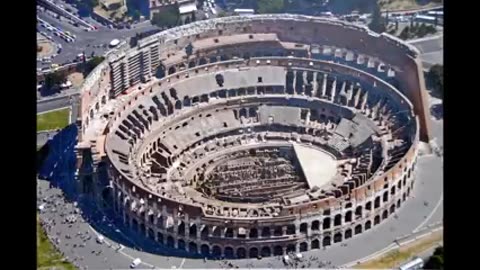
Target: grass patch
[(405, 4), (53, 120), (397, 257), (47, 255)]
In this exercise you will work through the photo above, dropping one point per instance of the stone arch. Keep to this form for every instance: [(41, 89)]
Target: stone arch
[(252, 112), (377, 202), (385, 214), (315, 225), (217, 231), (358, 211), (291, 229), (193, 231), (404, 196), (171, 70), (348, 233), (181, 244), (170, 242), (202, 61), (104, 99), (192, 247), (392, 208), (399, 202), (303, 227), (303, 247), (368, 225), (91, 113), (291, 248), (186, 101), (205, 250), (241, 253), (376, 220), (385, 196), (327, 241), (243, 112), (348, 216), (151, 234), (326, 223), (178, 105), (253, 252), (277, 251), (265, 252), (181, 228), (204, 233), (253, 233), (358, 229), (216, 251), (368, 206), (315, 244), (277, 231), (266, 232), (337, 220), (392, 191), (229, 252), (337, 237), (229, 233), (160, 237)]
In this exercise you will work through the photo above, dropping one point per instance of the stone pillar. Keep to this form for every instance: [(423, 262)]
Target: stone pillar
[(314, 84), (333, 90), (294, 81), (324, 85)]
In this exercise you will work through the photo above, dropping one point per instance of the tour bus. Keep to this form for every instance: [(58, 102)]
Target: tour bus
[(412, 265), (135, 263)]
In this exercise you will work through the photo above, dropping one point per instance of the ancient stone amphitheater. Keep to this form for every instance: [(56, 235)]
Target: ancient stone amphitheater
[(254, 136)]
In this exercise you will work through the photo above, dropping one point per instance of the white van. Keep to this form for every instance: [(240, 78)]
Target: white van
[(100, 239), (135, 263)]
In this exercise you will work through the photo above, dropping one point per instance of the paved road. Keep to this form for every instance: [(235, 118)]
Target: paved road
[(431, 50), (58, 102), (101, 36), (43, 137)]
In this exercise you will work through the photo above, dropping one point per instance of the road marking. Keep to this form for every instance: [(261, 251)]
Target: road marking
[(181, 264), (430, 215)]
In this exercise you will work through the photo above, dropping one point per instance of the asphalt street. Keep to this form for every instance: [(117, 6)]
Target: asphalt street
[(86, 41), (62, 101), (431, 50)]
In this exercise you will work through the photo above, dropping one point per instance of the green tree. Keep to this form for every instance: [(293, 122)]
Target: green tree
[(270, 6), (54, 78), (405, 34), (436, 261), (378, 22), (167, 18), (92, 63)]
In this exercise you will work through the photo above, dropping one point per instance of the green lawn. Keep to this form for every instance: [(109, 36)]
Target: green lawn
[(53, 120), (47, 255)]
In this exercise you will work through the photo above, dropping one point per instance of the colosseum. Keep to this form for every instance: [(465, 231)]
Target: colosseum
[(247, 137)]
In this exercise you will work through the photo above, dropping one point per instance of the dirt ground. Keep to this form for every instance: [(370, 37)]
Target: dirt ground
[(403, 4), (76, 78), (47, 48)]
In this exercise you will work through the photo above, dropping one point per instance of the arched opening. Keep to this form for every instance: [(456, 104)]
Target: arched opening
[(303, 228), (377, 203), (202, 61), (229, 252), (392, 208), (170, 242), (151, 234), (135, 225), (290, 248), (338, 220), (253, 233), (181, 244), (385, 214), (385, 196), (243, 112), (392, 191), (265, 252), (241, 253), (253, 253), (358, 211), (142, 229), (376, 220), (368, 206), (217, 232), (327, 241), (348, 233), (399, 202), (204, 233), (348, 216), (205, 250), (171, 70), (278, 231), (315, 244), (358, 229), (193, 231), (326, 223), (368, 225), (315, 225), (104, 99), (229, 233), (404, 196), (216, 251), (192, 247), (266, 232), (178, 105), (303, 247), (291, 229), (252, 112), (337, 238), (186, 101), (277, 251), (160, 237), (181, 228)]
